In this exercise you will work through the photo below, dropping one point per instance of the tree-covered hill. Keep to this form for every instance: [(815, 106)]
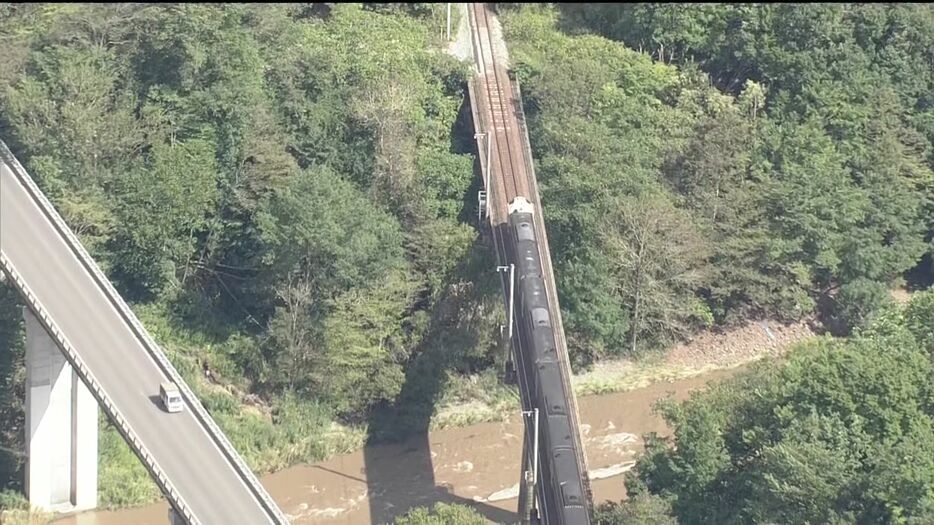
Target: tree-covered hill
[(281, 192), (840, 433), (717, 162)]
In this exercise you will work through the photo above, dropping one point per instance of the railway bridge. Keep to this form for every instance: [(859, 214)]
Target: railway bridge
[(549, 483)]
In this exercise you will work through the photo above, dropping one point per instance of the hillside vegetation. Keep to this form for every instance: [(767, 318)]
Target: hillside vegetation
[(285, 193), (705, 164), (279, 192)]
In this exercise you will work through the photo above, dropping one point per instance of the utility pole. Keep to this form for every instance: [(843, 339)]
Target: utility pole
[(512, 292), (449, 21), (529, 477), (508, 369)]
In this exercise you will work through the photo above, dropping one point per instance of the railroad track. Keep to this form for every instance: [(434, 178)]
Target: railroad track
[(507, 158)]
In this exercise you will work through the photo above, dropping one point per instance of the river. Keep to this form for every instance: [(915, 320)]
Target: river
[(476, 465)]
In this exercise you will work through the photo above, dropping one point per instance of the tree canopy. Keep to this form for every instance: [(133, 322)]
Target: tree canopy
[(839, 433), (784, 151)]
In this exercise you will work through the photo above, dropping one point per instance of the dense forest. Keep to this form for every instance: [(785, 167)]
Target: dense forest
[(706, 164), (286, 196)]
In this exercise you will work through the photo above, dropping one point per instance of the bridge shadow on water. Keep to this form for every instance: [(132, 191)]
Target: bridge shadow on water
[(404, 477), (460, 330)]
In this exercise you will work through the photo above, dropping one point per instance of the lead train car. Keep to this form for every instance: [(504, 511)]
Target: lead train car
[(537, 337)]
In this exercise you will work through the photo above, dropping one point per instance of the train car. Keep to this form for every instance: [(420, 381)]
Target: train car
[(559, 468)]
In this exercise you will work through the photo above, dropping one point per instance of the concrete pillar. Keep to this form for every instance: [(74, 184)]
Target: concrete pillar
[(61, 426)]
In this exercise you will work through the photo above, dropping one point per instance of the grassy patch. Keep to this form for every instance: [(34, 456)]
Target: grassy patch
[(298, 431), (479, 398), (270, 434), (12, 500), (24, 517), (122, 479)]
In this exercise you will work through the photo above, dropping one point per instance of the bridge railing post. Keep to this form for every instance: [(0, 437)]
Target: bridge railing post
[(489, 160)]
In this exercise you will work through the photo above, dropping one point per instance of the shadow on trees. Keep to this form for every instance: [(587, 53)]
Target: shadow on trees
[(921, 276), (459, 332), (12, 391), (455, 331)]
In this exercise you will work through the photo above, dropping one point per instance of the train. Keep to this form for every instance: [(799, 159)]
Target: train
[(560, 474)]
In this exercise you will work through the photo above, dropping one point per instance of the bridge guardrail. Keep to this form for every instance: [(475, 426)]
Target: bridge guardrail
[(551, 285), (143, 335), (176, 499)]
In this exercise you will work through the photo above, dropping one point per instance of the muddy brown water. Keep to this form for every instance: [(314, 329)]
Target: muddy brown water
[(476, 465)]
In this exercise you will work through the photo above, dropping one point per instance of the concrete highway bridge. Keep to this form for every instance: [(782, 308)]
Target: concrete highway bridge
[(85, 348)]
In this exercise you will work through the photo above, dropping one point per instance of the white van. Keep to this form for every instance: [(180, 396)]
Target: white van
[(170, 397)]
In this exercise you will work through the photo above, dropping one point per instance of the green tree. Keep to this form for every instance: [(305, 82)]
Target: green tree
[(919, 319), (442, 514), (323, 226), (715, 174), (366, 344), (295, 335), (75, 123), (659, 259), (163, 210), (840, 433), (855, 304)]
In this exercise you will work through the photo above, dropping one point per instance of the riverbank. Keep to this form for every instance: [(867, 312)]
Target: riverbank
[(707, 351), (483, 398), (476, 465), (482, 402)]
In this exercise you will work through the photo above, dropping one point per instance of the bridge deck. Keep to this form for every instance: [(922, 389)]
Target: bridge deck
[(181, 450)]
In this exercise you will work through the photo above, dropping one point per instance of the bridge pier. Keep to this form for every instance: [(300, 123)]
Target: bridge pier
[(61, 426)]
